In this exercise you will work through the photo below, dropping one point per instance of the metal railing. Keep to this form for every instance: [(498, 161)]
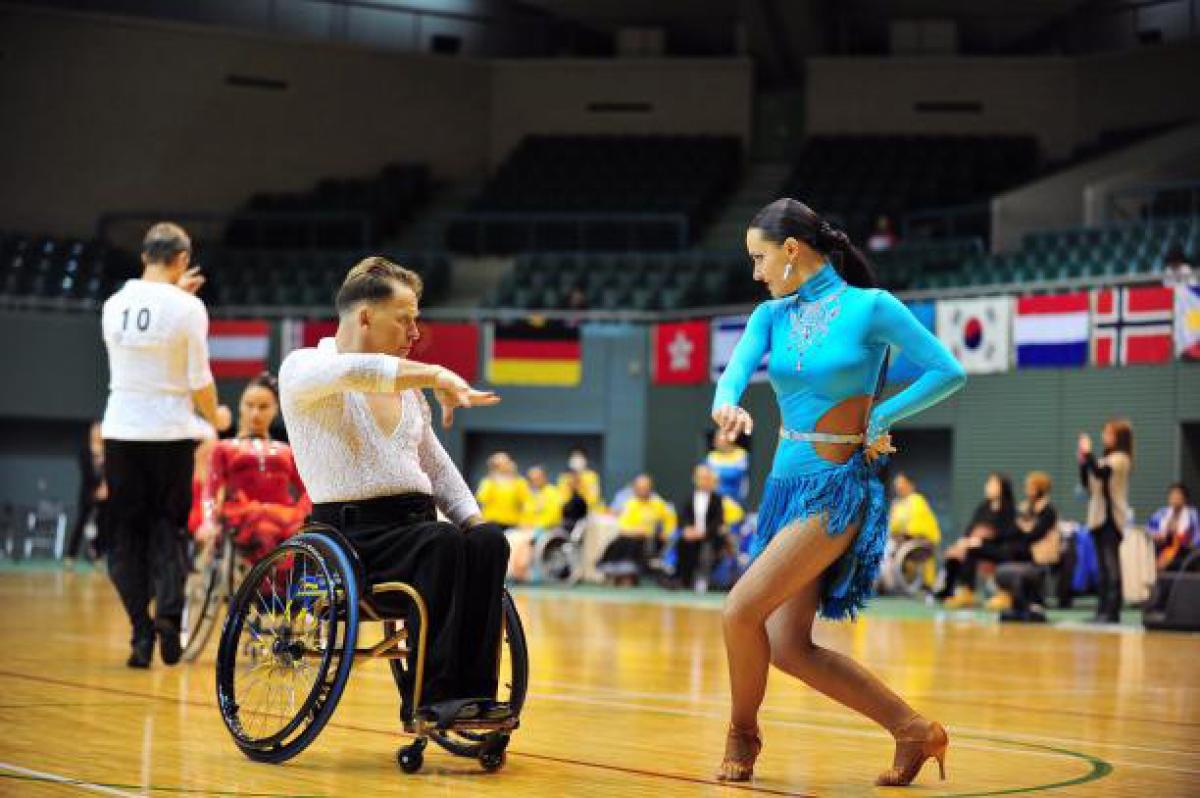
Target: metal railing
[(1137, 203)]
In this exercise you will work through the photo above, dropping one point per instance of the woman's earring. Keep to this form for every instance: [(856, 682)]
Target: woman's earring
[(787, 270)]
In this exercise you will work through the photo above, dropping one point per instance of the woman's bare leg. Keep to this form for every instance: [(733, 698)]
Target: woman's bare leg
[(841, 678), (794, 559)]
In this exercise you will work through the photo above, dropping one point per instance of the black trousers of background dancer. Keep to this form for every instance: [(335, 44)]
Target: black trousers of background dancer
[(150, 492)]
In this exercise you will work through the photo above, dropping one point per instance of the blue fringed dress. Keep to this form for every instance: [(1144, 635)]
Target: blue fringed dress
[(825, 344)]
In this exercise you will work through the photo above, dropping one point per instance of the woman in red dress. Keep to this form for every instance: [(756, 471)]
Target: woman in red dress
[(252, 482)]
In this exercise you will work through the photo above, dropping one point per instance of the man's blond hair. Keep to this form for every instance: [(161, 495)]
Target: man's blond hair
[(373, 279)]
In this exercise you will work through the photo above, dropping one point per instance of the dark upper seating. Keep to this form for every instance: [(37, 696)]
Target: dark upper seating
[(855, 179), (682, 176), (335, 214), (49, 268)]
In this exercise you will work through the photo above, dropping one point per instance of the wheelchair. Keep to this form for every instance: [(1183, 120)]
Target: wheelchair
[(905, 566), (217, 570), (291, 637), (558, 555)]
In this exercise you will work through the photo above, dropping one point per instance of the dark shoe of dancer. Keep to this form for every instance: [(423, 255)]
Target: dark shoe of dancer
[(742, 747), (141, 652), (169, 647), (917, 740)]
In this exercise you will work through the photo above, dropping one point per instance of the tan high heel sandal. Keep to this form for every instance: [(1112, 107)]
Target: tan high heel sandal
[(742, 748), (912, 752)]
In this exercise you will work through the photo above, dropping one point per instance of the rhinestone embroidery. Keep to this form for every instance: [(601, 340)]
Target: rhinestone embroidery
[(810, 322)]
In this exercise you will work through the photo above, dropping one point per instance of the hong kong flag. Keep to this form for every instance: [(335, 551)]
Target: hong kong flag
[(681, 353)]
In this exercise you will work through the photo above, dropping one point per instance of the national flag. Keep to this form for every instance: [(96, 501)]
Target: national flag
[(680, 353), (534, 352), (1187, 322), (238, 349), (902, 368), (299, 333), (978, 332), (726, 332), (1132, 325), (453, 345), (1052, 330)]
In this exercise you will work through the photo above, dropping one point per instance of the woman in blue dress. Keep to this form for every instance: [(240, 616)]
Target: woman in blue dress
[(822, 523)]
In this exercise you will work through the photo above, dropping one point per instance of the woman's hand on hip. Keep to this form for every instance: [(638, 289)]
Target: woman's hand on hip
[(732, 421), (879, 447)]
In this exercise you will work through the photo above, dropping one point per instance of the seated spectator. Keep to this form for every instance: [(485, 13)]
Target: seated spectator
[(702, 523), (589, 480), (574, 506), (1175, 529), (883, 238), (912, 517), (541, 511), (503, 493), (731, 464), (995, 513), (1036, 520), (1176, 269), (642, 525)]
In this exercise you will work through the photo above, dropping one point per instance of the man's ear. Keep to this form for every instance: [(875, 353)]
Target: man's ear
[(363, 315)]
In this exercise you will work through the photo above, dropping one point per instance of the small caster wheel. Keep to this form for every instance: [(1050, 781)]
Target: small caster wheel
[(492, 755), (492, 760), (411, 757)]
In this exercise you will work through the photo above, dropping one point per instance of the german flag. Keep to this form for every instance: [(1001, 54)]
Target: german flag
[(534, 352)]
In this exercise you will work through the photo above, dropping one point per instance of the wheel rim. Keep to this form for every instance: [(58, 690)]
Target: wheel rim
[(286, 631)]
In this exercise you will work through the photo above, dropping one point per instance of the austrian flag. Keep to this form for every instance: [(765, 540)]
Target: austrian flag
[(1132, 325), (238, 349)]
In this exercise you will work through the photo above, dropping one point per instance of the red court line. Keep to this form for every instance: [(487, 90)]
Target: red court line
[(349, 727)]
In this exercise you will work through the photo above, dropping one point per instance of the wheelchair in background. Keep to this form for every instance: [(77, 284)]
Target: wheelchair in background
[(291, 638)]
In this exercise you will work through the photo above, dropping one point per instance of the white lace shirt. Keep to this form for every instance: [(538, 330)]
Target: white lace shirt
[(341, 452)]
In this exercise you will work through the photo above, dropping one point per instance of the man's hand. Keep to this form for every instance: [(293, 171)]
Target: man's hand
[(693, 533), (453, 392), (223, 419), (192, 280)]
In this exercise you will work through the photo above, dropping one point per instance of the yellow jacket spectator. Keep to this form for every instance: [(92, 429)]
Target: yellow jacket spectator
[(911, 516), (589, 480), (543, 509), (644, 517), (503, 493)]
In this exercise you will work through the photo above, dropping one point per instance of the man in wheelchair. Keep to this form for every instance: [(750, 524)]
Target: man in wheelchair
[(361, 431)]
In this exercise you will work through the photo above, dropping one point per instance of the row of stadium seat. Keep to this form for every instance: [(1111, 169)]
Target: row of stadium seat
[(581, 175), (86, 270), (858, 178)]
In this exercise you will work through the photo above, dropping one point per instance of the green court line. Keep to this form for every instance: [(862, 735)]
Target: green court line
[(1100, 769)]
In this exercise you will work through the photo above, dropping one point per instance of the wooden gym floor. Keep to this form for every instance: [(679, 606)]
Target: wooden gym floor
[(628, 697)]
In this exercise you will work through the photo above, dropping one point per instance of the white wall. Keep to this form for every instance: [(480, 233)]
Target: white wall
[(1079, 196), (878, 95), (1062, 101), (552, 96), (104, 115)]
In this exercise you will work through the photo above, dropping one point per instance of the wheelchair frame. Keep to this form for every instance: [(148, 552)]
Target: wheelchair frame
[(484, 739)]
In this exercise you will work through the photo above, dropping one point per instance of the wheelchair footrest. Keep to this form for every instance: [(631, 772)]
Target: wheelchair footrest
[(460, 712)]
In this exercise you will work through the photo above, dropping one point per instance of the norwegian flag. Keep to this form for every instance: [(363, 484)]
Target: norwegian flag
[(1132, 325)]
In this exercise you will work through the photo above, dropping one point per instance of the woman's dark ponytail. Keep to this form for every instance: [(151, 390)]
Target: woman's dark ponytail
[(788, 218)]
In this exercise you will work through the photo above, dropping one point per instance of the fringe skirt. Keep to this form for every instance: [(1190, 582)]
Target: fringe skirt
[(839, 496)]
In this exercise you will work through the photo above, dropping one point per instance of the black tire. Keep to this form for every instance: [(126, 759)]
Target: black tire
[(204, 594), (321, 596)]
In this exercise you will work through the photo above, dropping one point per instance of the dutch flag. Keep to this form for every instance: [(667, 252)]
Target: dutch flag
[(1052, 331)]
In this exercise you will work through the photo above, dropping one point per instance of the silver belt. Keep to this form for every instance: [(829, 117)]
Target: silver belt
[(820, 437)]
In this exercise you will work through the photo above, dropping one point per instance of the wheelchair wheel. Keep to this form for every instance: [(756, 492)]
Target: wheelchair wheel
[(287, 648), (489, 747), (206, 590), (557, 560), (909, 564)]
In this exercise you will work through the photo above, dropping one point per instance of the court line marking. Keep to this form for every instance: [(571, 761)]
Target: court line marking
[(55, 778), (1027, 736)]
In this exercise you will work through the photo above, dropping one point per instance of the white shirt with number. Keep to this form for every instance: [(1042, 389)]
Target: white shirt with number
[(157, 340)]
